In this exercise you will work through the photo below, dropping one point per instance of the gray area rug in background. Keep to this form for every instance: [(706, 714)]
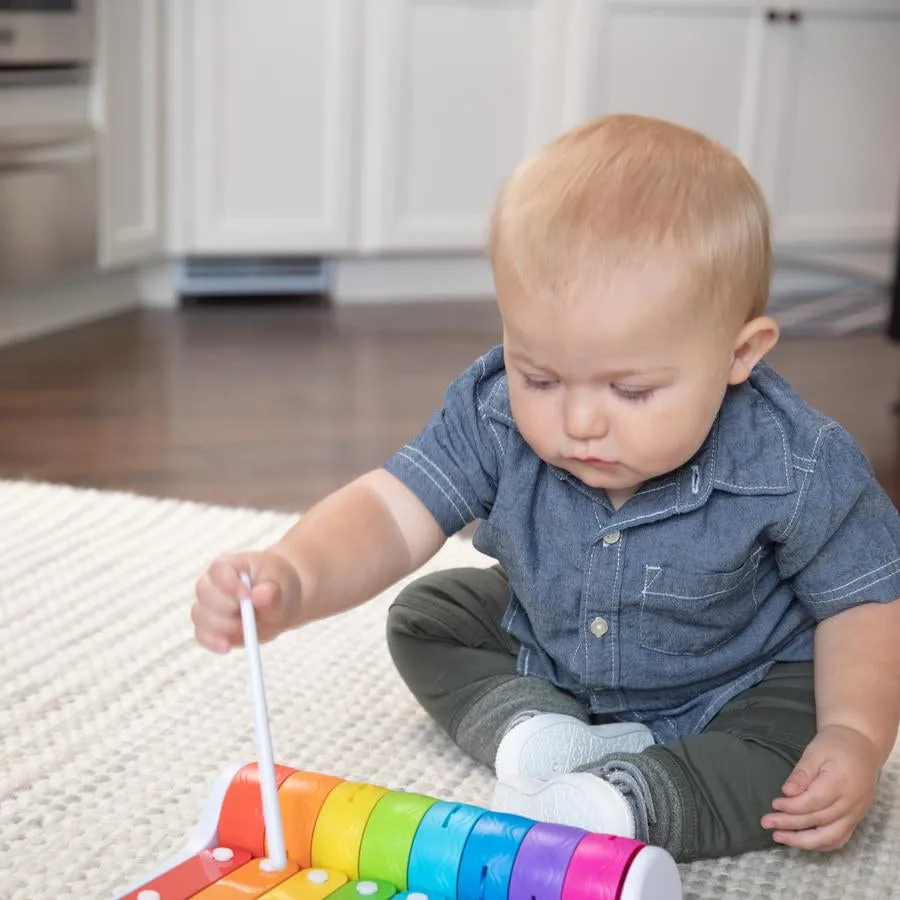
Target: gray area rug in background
[(116, 724)]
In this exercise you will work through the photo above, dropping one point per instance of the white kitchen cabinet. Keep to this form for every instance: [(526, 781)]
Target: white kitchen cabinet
[(697, 63), (129, 108), (455, 93), (269, 125), (808, 96), (829, 132)]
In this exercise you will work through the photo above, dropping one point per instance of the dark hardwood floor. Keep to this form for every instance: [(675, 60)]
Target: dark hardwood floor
[(275, 406)]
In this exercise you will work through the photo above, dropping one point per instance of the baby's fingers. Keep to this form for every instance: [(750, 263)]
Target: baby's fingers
[(782, 821), (225, 575), (828, 837), (821, 794)]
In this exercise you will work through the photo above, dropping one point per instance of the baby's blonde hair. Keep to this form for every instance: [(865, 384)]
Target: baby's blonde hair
[(613, 190)]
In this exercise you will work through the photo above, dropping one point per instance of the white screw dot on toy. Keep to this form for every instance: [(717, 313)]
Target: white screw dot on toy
[(317, 876), (367, 888), (223, 854), (149, 895), (416, 895)]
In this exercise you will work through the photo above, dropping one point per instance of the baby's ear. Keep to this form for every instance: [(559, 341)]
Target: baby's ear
[(753, 342)]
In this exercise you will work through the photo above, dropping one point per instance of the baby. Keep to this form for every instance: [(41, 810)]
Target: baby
[(690, 636)]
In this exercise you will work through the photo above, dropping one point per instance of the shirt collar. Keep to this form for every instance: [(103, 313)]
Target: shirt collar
[(746, 452)]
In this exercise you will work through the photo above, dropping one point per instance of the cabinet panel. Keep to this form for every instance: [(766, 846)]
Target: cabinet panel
[(272, 89), (697, 64), (455, 94), (837, 157), (130, 143)]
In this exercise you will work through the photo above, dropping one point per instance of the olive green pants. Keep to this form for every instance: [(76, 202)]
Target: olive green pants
[(709, 791)]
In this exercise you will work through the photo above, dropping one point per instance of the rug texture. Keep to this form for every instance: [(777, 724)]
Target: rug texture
[(115, 723)]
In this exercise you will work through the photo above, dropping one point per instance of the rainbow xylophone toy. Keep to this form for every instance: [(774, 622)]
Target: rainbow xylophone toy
[(349, 840)]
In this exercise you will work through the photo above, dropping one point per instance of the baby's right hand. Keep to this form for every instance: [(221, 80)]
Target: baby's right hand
[(216, 612)]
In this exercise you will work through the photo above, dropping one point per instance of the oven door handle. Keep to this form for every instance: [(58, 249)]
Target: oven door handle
[(30, 150)]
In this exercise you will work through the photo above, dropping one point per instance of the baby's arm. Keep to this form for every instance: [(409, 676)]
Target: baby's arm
[(842, 555), (857, 680), (857, 666), (357, 542)]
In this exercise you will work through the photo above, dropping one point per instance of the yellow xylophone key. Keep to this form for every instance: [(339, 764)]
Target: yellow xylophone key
[(308, 884), (247, 882), (341, 824)]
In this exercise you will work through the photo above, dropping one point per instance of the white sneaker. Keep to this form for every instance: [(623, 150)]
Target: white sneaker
[(579, 799), (551, 744)]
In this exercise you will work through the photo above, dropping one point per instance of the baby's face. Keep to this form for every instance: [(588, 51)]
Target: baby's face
[(618, 385)]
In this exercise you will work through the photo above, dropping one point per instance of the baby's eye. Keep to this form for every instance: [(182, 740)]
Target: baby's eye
[(634, 395), (538, 384)]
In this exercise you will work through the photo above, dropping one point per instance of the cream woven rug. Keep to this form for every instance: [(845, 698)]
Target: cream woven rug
[(115, 723)]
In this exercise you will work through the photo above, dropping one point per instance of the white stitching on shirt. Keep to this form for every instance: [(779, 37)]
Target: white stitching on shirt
[(893, 566), (750, 487), (804, 488), (450, 483), (429, 476), (894, 562)]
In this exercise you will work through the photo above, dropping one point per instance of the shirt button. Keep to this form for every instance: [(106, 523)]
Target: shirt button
[(612, 537), (599, 626)]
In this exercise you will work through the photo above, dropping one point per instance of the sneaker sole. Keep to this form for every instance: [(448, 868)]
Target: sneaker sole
[(579, 800), (550, 744)]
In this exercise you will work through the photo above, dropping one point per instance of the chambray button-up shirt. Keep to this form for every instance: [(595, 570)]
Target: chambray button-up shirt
[(665, 609)]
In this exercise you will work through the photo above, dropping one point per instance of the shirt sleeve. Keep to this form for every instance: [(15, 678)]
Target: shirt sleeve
[(453, 464), (842, 546)]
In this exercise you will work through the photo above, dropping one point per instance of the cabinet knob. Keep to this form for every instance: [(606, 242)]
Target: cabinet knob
[(781, 15)]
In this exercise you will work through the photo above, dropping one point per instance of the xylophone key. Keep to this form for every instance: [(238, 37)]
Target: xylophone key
[(490, 854), (247, 882), (387, 842), (598, 867), (341, 824), (308, 884), (368, 889), (241, 820), (417, 895), (301, 796), (438, 848), (192, 875), (544, 857)]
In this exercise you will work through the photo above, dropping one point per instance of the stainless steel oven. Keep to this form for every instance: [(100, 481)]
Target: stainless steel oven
[(46, 32), (48, 166), (48, 203)]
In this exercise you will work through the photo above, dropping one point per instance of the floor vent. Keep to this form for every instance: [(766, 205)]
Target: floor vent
[(223, 276)]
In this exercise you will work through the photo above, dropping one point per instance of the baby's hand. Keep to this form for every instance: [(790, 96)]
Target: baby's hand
[(275, 594), (828, 793)]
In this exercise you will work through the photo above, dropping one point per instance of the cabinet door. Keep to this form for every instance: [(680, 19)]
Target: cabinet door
[(832, 126), (271, 89), (129, 134), (696, 62), (456, 92)]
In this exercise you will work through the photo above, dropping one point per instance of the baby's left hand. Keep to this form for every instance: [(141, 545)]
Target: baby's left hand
[(828, 793)]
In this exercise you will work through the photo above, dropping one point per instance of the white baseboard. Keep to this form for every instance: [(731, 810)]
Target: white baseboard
[(359, 280), (412, 278), (156, 285), (26, 314)]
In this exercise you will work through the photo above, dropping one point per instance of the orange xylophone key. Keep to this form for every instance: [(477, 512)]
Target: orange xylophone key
[(191, 876), (247, 882), (300, 797)]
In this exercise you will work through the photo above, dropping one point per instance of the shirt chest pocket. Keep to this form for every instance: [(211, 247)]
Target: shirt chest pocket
[(692, 614)]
